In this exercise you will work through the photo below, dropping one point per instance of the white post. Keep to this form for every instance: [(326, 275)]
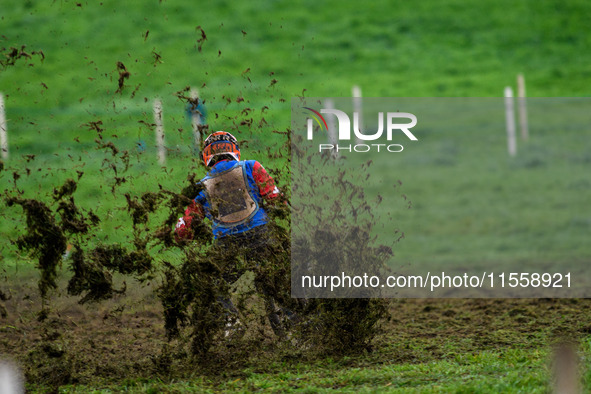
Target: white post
[(356, 91), (522, 107), (195, 121), (3, 131), (510, 120), (159, 131), (332, 130), (566, 366), (11, 379)]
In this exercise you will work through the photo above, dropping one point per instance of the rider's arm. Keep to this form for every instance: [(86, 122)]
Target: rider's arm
[(183, 227), (265, 182)]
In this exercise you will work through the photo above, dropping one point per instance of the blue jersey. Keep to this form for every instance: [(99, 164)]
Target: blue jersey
[(231, 197)]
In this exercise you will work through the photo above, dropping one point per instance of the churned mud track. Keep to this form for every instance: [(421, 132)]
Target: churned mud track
[(423, 330), (115, 339), (124, 338)]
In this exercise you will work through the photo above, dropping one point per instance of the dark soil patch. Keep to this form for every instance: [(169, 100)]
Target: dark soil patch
[(124, 338)]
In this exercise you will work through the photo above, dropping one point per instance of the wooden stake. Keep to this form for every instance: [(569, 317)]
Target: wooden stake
[(332, 130), (510, 121), (357, 107), (159, 132), (3, 130), (196, 122), (566, 369), (522, 107)]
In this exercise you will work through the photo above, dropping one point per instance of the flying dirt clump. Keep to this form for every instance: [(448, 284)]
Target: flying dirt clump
[(333, 236), (93, 271), (347, 324), (191, 292), (44, 238), (47, 232), (3, 297), (9, 56)]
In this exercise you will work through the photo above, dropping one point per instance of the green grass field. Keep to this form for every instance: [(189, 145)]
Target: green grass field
[(248, 63), (463, 374)]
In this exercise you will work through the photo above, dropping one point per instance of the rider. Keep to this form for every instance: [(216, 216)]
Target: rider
[(232, 196)]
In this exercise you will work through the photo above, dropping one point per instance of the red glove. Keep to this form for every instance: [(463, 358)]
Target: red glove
[(183, 226), (265, 182)]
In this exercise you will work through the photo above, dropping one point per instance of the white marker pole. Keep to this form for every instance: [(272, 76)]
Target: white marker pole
[(195, 121), (510, 120), (357, 107), (332, 130), (11, 379), (566, 365), (159, 131), (522, 107), (3, 131)]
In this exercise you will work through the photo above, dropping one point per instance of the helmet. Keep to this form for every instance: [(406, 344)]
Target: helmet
[(220, 143)]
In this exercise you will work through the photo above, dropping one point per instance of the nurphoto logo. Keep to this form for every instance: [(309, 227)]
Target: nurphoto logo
[(344, 131)]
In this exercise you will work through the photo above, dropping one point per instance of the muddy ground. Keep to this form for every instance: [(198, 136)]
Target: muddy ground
[(123, 339)]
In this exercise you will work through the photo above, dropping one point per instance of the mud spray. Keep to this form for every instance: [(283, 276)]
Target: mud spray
[(191, 286)]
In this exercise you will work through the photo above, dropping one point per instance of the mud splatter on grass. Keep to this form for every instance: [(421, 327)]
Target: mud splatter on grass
[(176, 332), (49, 230), (186, 294), (44, 238), (10, 56), (122, 338)]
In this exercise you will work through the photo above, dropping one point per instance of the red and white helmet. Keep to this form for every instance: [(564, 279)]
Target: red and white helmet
[(220, 143)]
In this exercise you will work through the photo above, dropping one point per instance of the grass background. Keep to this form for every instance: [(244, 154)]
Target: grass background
[(261, 54), (460, 203)]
